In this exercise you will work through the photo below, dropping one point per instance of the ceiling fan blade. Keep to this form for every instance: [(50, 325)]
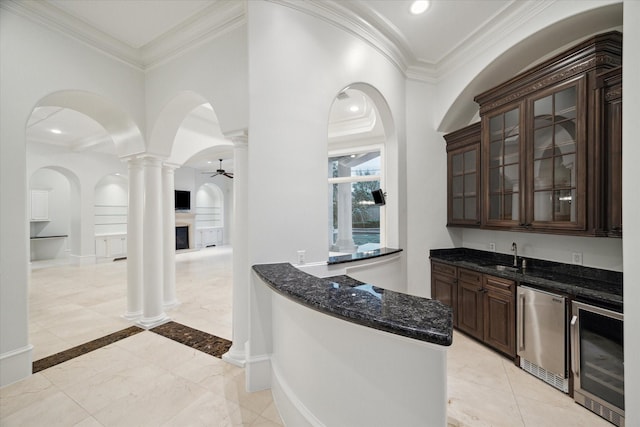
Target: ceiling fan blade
[(228, 174)]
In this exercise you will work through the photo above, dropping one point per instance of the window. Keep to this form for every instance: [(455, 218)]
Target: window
[(354, 219)]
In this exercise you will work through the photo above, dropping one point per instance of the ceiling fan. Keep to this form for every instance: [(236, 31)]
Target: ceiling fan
[(221, 172)]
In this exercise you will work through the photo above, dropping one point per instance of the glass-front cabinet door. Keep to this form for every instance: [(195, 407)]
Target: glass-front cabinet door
[(502, 157), (555, 159), (463, 176), (465, 182)]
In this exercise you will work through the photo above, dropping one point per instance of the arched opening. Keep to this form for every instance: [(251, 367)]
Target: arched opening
[(74, 143), (111, 204), (210, 218), (53, 197), (362, 156)]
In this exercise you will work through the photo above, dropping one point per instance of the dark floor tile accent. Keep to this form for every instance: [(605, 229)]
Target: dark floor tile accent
[(85, 348), (206, 343)]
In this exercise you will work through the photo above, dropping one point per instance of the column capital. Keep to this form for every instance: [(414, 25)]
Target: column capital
[(239, 137), (170, 167)]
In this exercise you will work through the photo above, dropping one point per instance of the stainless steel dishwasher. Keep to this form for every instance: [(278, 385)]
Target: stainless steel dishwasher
[(542, 336)]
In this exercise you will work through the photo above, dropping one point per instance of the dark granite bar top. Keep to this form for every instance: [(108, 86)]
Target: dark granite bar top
[(48, 237), (362, 255), (591, 285), (365, 304)]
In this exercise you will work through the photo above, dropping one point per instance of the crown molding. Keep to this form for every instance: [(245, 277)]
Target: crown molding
[(497, 28), (46, 14), (213, 21), (349, 17)]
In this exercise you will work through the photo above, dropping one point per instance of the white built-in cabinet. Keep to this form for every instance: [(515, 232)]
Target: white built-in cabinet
[(111, 246), (110, 222), (211, 236), (39, 205)]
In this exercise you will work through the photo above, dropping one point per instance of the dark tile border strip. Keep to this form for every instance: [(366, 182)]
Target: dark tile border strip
[(202, 341), (85, 348)]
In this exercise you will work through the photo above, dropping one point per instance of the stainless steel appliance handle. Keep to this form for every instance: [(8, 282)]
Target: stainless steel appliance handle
[(575, 343), (520, 322)]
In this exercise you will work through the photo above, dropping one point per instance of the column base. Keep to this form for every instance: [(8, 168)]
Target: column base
[(153, 322), (235, 356)]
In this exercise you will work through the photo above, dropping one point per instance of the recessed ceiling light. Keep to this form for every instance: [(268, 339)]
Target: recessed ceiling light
[(56, 131), (419, 6), (354, 108)]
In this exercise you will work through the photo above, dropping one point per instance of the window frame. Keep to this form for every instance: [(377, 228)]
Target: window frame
[(361, 149)]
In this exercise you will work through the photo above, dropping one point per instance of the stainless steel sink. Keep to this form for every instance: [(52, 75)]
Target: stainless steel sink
[(505, 268)]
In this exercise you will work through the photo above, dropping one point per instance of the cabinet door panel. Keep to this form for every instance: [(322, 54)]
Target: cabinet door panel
[(444, 289), (499, 322), (555, 166), (470, 309), (463, 180), (502, 170)]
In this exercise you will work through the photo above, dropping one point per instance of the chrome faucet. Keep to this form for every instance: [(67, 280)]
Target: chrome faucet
[(514, 248)]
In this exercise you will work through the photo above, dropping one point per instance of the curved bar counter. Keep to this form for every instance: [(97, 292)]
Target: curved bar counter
[(345, 352)]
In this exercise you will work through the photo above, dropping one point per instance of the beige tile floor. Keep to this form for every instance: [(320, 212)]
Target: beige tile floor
[(147, 379)]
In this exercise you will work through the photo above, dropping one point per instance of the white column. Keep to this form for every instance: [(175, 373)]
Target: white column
[(169, 227), (237, 353), (134, 240), (152, 255), (344, 242)]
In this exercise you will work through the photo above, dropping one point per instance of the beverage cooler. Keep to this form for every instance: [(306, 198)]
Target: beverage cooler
[(597, 360)]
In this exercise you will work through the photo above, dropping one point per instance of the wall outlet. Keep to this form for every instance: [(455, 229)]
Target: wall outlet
[(576, 258), (492, 247), (301, 255)]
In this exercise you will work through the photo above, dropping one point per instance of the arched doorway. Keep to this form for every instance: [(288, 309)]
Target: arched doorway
[(53, 197), (74, 139)]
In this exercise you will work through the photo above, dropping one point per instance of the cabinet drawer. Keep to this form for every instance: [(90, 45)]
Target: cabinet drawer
[(448, 270), (498, 284), (471, 277)]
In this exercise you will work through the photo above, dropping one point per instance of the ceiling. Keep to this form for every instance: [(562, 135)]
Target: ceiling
[(419, 44)]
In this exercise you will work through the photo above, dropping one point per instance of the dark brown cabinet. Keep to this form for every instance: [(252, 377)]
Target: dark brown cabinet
[(499, 314), (548, 147), (483, 305), (610, 100), (463, 176), (444, 286), (470, 307)]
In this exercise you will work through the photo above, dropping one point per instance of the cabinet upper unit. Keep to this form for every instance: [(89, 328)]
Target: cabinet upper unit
[(542, 165)]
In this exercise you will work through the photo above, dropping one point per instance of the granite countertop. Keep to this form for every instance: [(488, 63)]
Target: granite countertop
[(374, 253), (591, 285), (365, 304)]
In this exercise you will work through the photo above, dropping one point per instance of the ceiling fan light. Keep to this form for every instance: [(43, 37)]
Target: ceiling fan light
[(419, 6)]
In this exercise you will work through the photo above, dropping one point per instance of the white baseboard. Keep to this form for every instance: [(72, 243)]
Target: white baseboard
[(16, 365), (258, 373)]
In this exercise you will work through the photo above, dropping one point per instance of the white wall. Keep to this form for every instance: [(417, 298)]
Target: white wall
[(297, 65), (598, 252), (215, 70), (36, 62), (426, 187), (631, 207)]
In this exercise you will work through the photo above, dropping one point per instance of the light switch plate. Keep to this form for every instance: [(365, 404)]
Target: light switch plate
[(492, 247)]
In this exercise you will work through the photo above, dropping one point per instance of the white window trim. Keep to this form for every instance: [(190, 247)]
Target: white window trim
[(360, 178)]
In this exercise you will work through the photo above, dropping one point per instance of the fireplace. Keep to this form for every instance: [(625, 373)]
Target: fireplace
[(182, 237)]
